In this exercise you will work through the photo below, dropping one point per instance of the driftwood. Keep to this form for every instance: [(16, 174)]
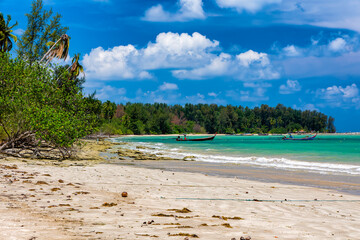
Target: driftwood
[(26, 145)]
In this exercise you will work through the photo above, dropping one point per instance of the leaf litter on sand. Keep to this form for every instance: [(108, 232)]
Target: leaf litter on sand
[(172, 215), (226, 218), (184, 210), (183, 235), (41, 183), (227, 225), (109, 204)]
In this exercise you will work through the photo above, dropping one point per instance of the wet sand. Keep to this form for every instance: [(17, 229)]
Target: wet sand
[(342, 183)]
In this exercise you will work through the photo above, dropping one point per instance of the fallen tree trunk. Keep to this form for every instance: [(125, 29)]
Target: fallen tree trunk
[(26, 145)]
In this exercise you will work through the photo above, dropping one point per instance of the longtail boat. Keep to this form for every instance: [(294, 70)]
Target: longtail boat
[(299, 139), (195, 139)]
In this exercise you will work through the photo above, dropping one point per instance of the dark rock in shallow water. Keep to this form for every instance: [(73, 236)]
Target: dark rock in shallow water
[(189, 158), (141, 147), (137, 155)]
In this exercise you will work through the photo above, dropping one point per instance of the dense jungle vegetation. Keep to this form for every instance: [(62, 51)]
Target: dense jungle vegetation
[(158, 118)]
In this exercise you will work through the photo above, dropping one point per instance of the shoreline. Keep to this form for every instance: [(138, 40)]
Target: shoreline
[(143, 155), (340, 183), (218, 134), (82, 199)]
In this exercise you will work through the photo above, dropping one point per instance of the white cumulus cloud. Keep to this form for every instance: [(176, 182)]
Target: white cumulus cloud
[(251, 57), (338, 96), (187, 56), (177, 50), (338, 44), (336, 56), (219, 66), (189, 10), (213, 94), (342, 44), (291, 51), (290, 87), (108, 92), (245, 66), (170, 50), (168, 86), (157, 14), (345, 92), (112, 63)]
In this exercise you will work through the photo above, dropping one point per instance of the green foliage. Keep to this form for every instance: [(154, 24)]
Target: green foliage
[(294, 127), (160, 118), (331, 127), (108, 110), (114, 127), (2, 134), (279, 130), (6, 34), (41, 108), (43, 26), (32, 102), (189, 126), (229, 130), (62, 75)]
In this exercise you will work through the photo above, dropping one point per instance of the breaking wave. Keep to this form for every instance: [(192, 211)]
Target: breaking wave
[(273, 162)]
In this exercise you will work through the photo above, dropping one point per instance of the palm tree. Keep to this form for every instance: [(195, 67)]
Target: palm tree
[(59, 49), (74, 70), (5, 34), (76, 67)]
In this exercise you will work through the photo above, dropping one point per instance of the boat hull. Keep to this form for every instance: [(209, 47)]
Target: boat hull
[(299, 139), (195, 139)]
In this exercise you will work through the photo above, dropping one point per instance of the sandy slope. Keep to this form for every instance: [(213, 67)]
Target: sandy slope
[(41, 200)]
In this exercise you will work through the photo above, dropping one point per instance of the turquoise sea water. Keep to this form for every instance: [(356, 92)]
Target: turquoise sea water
[(329, 154)]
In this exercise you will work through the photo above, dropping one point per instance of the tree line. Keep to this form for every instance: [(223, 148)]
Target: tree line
[(160, 118)]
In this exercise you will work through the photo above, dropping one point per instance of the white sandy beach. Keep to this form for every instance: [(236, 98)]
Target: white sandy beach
[(44, 200)]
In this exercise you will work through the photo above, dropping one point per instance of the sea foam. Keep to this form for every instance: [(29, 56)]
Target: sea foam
[(264, 162)]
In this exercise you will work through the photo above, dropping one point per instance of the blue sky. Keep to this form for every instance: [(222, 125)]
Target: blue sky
[(304, 54)]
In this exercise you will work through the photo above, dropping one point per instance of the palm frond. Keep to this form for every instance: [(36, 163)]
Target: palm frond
[(60, 49), (13, 37), (2, 22), (5, 33), (76, 68), (8, 23), (8, 20)]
